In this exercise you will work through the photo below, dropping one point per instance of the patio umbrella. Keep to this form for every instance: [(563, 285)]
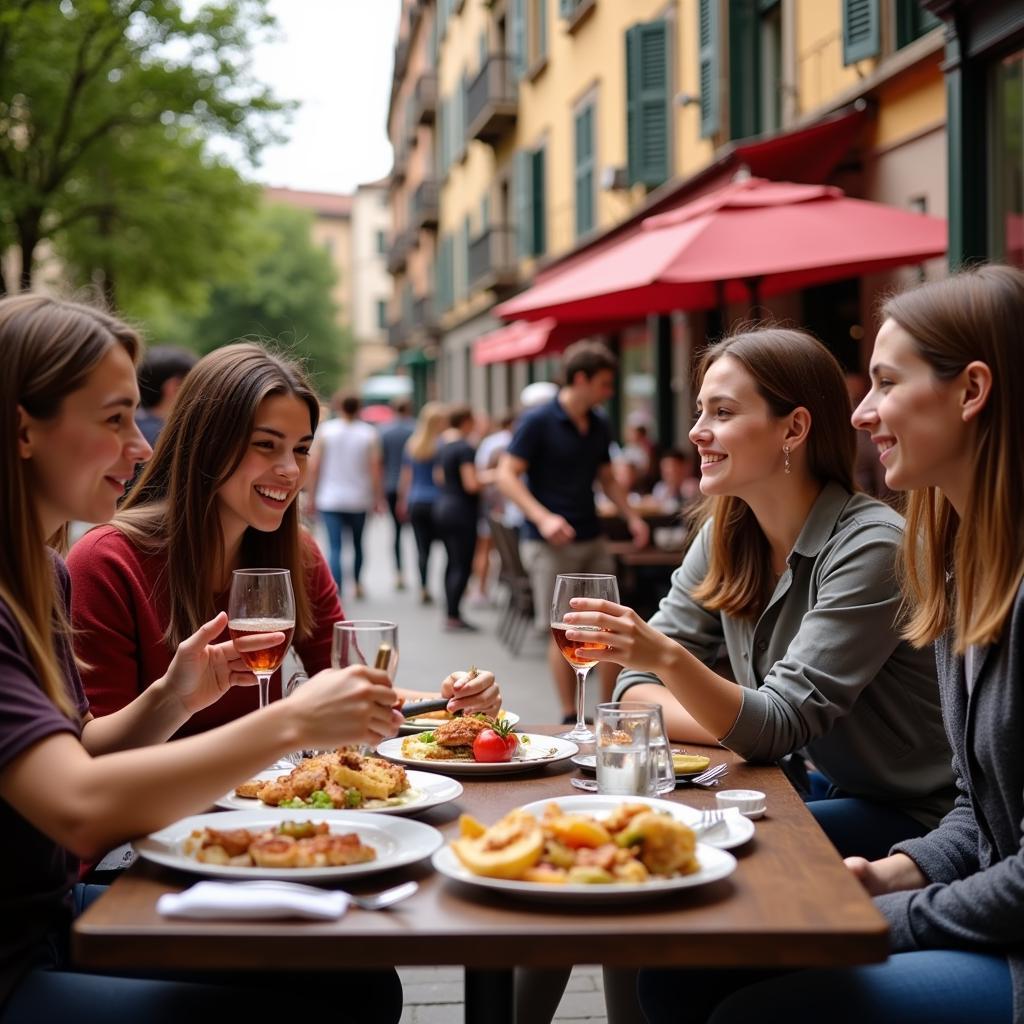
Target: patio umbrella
[(748, 240)]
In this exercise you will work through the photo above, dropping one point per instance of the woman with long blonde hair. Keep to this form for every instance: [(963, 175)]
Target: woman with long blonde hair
[(417, 488), (945, 415), (72, 785)]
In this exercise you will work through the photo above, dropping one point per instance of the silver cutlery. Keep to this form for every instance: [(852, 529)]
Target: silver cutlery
[(376, 901), (711, 777), (710, 822)]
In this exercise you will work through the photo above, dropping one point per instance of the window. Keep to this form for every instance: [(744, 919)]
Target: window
[(861, 30), (647, 103), (531, 213), (912, 22), (517, 37), (538, 31), (755, 67), (707, 40), (444, 275), (382, 313), (584, 169), (382, 242), (1007, 191)]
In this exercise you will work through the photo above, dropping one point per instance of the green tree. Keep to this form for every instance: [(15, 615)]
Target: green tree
[(282, 293), (106, 112)]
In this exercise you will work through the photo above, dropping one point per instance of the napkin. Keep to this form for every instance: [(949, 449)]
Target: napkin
[(253, 900)]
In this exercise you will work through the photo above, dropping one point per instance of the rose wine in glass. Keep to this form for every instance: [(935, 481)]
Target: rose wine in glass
[(568, 586), (262, 601)]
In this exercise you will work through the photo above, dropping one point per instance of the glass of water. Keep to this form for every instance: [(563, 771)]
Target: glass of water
[(623, 750), (662, 772)]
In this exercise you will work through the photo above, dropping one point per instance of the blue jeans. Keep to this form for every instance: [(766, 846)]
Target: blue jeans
[(940, 986), (52, 991), (354, 522), (858, 827)]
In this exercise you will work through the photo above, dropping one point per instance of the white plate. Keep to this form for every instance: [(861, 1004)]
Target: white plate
[(426, 790), (426, 724), (397, 841), (715, 863), (588, 763), (537, 751)]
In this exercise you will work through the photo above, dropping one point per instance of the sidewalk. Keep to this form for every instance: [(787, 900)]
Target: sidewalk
[(433, 995)]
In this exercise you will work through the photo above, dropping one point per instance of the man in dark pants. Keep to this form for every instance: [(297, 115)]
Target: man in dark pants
[(562, 447), (392, 440)]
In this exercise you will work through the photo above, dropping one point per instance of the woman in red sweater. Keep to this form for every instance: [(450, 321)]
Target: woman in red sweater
[(218, 495)]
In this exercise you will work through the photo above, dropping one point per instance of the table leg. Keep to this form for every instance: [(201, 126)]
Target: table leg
[(490, 996)]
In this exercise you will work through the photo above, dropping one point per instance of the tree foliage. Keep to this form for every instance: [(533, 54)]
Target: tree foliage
[(281, 293), (106, 112)]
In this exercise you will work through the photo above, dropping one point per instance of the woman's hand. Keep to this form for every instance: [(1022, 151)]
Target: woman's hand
[(890, 874), (201, 672), (631, 642), (340, 707), (472, 693)]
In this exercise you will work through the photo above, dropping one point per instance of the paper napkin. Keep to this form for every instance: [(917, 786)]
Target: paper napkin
[(252, 900)]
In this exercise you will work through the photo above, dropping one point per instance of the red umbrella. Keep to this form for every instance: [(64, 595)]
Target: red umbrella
[(749, 239)]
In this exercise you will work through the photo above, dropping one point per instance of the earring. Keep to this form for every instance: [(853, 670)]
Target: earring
[(785, 465)]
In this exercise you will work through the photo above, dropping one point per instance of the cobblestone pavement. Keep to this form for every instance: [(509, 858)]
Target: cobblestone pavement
[(433, 995)]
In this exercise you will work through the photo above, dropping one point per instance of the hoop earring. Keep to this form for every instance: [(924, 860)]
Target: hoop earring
[(785, 465)]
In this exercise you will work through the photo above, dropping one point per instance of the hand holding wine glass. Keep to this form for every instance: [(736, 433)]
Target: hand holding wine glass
[(569, 586), (262, 601)]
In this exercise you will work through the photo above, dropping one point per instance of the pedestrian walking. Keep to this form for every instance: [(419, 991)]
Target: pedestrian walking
[(346, 480), (393, 439)]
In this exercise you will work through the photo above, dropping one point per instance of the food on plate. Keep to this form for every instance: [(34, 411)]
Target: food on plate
[(687, 764), (495, 744), (287, 844), (342, 778), (632, 844), (450, 741)]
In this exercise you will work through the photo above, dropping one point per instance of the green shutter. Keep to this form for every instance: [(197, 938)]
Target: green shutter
[(744, 69), (538, 228), (912, 22), (707, 40), (541, 10), (523, 189), (566, 7), (517, 37), (584, 170), (861, 30), (647, 103)]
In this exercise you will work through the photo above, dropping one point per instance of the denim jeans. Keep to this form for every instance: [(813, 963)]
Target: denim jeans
[(334, 523), (52, 991), (939, 986)]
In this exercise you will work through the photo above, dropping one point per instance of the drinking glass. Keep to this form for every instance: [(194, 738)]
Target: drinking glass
[(662, 771), (568, 586), (623, 750), (262, 601), (372, 642)]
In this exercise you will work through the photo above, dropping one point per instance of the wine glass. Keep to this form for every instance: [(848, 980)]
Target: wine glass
[(568, 586), (262, 601)]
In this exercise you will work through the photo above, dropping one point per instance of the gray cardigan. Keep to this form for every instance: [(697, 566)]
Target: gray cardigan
[(974, 859), (822, 668)]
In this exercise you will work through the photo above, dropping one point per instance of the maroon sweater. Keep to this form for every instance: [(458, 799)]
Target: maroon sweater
[(119, 610)]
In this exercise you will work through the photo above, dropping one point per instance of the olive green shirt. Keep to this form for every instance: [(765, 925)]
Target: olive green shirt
[(822, 668)]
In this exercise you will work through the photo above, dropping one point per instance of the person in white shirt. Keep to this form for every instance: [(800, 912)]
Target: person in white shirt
[(346, 481)]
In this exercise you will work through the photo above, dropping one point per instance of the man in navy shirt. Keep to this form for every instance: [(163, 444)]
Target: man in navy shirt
[(562, 447)]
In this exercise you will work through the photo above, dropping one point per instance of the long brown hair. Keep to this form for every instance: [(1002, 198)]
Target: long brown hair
[(430, 424), (48, 348), (977, 314), (174, 507), (791, 369)]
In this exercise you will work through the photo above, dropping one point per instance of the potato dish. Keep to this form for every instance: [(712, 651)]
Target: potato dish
[(341, 779), (633, 844), (289, 844)]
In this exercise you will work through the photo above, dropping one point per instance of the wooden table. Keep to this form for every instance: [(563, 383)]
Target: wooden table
[(791, 902)]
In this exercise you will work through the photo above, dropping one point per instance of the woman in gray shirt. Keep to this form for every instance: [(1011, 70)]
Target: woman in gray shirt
[(793, 573)]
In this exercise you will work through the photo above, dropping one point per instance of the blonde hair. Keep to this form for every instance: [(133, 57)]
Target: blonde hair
[(430, 424), (174, 507), (49, 348), (790, 369), (965, 575)]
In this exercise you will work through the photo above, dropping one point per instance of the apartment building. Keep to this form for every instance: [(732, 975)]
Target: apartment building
[(370, 283)]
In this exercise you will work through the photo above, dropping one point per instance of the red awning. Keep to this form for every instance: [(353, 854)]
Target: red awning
[(526, 340), (749, 239)]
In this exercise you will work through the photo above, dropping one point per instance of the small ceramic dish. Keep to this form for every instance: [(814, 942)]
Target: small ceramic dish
[(751, 803)]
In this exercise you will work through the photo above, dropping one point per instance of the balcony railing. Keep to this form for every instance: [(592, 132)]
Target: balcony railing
[(491, 103), (399, 251), (492, 259), (426, 204), (424, 316), (424, 98)]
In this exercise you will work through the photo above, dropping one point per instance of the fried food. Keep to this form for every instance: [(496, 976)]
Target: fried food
[(631, 845), (342, 778), (460, 732), (291, 844), (450, 741)]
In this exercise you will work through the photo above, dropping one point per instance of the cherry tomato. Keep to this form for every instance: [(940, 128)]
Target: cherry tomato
[(490, 745)]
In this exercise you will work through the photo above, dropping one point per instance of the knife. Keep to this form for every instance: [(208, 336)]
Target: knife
[(412, 708)]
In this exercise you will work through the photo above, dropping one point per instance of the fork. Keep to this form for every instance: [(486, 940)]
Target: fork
[(376, 901), (709, 821), (711, 777)]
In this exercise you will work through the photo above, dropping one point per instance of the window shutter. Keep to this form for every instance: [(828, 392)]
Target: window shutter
[(707, 39), (861, 30), (523, 187), (566, 7), (744, 69), (538, 240), (584, 170), (541, 11), (517, 37), (647, 103)]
